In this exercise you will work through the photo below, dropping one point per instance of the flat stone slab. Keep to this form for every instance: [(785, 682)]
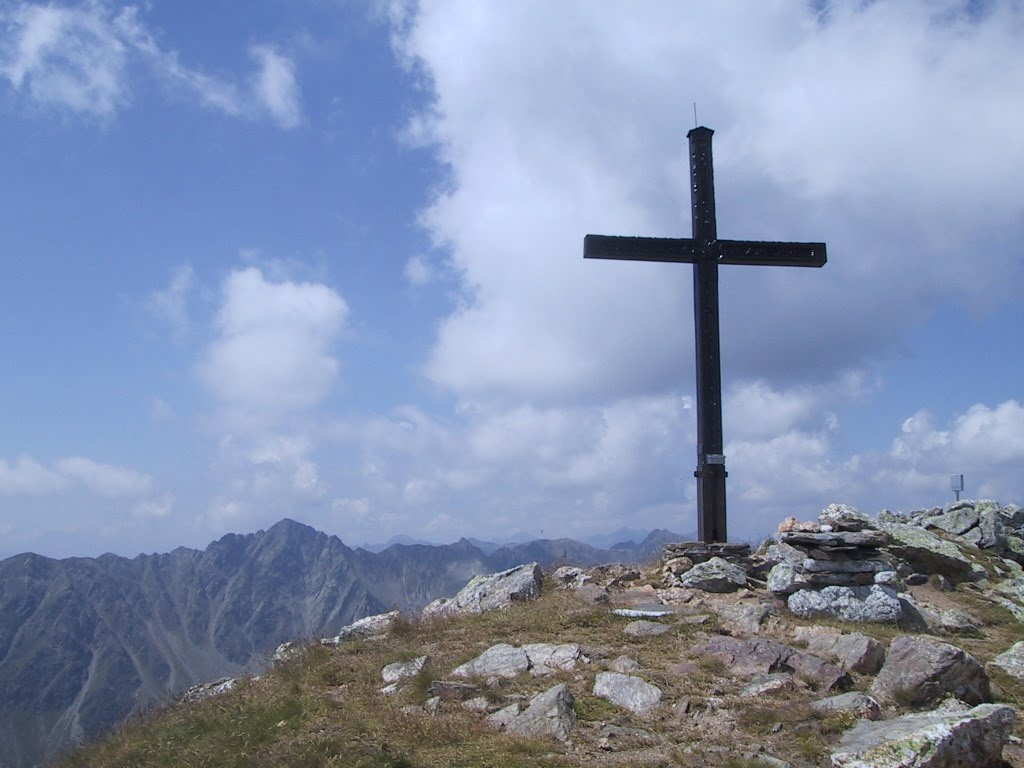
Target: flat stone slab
[(699, 551), (841, 539), (641, 628), (643, 612)]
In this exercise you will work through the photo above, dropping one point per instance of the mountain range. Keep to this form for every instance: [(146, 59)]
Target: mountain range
[(87, 642)]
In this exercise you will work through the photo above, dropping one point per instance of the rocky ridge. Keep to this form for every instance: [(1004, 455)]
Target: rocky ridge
[(660, 668), (87, 642)]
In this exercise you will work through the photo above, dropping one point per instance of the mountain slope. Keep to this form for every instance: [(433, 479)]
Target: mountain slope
[(86, 641)]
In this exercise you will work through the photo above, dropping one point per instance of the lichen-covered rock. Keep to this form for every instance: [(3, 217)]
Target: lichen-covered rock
[(643, 628), (548, 658), (854, 651), (783, 579), (843, 517), (570, 576), (364, 629), (763, 685), (919, 671), (550, 714), (974, 738), (287, 650), (504, 717), (927, 553), (627, 691), (491, 592), (400, 670), (206, 690), (501, 660), (868, 603), (763, 656), (743, 619), (715, 575), (958, 519), (1011, 661), (855, 702)]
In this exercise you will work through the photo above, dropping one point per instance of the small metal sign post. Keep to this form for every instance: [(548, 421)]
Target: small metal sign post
[(956, 483), (705, 251)]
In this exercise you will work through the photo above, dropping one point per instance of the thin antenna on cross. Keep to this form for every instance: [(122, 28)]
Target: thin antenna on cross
[(695, 114)]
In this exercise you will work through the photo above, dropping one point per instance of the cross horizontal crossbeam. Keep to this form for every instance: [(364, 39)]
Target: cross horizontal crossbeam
[(688, 251), (705, 251)]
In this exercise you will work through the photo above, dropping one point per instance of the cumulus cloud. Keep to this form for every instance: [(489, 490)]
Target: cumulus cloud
[(80, 58), (565, 469), (833, 122), (269, 366), (271, 353), (984, 443)]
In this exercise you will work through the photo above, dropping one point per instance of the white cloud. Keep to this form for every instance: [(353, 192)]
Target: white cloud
[(271, 353), (68, 57), (276, 87), (979, 437), (29, 477), (834, 125), (288, 457), (159, 507), (418, 271), (80, 59), (566, 469), (104, 479), (170, 305)]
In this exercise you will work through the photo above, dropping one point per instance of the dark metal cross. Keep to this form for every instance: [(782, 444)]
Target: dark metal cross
[(705, 251)]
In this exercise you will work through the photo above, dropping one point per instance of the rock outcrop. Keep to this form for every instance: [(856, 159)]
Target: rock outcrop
[(971, 737), (680, 666), (491, 592)]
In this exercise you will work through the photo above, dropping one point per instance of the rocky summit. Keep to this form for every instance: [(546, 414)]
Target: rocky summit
[(622, 666)]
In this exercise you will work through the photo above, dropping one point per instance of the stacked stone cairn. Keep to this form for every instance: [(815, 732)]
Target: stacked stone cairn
[(712, 567), (834, 567)]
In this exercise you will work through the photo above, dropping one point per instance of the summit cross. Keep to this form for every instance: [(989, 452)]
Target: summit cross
[(705, 251)]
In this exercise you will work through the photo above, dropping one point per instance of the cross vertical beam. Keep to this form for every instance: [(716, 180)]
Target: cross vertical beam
[(705, 251), (710, 472)]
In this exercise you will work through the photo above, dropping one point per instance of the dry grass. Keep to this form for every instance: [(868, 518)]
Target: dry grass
[(323, 708)]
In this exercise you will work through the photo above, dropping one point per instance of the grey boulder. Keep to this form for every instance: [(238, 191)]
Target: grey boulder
[(874, 603), (919, 671), (855, 702), (549, 714), (715, 575), (1011, 661), (854, 651), (974, 738), (627, 691), (487, 593), (501, 660)]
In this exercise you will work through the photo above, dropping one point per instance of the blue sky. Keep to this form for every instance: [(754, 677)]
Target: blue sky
[(323, 260)]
